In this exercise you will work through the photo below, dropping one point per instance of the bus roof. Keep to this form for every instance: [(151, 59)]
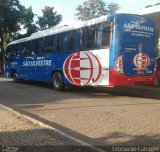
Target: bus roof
[(60, 29), (65, 28)]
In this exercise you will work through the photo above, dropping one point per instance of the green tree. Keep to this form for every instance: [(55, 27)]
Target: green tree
[(112, 8), (27, 21), (12, 16), (94, 8), (49, 19), (9, 17)]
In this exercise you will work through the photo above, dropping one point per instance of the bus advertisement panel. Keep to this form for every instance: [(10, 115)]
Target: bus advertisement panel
[(114, 50)]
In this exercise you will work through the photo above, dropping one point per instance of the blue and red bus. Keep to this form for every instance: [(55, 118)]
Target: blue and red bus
[(113, 50)]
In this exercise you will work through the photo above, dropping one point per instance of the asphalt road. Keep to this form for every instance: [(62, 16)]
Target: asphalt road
[(124, 116)]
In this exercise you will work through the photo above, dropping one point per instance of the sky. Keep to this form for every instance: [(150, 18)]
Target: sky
[(68, 7)]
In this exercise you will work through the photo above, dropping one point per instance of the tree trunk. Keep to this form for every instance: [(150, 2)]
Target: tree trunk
[(2, 57), (2, 64)]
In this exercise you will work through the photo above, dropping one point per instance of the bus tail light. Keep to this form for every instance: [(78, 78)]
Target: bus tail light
[(119, 64)]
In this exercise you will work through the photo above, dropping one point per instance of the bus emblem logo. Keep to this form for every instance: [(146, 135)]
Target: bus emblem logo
[(82, 68), (141, 60)]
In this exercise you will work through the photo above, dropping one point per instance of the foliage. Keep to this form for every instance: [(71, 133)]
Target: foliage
[(94, 8), (112, 8), (9, 16), (27, 22), (12, 16), (49, 19)]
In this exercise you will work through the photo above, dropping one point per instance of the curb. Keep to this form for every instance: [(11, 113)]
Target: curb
[(36, 122)]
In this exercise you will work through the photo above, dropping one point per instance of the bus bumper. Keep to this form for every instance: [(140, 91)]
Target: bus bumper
[(119, 79)]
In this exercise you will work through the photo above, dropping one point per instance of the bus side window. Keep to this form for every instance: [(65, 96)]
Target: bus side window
[(18, 49), (39, 46), (48, 47), (88, 38), (77, 37), (55, 39), (106, 35), (50, 44), (22, 49), (91, 38), (28, 47), (83, 39), (57, 43), (44, 47), (65, 44), (98, 41), (73, 41), (13, 51), (8, 54), (33, 51)]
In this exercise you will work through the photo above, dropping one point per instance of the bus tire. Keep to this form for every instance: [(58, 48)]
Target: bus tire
[(57, 81)]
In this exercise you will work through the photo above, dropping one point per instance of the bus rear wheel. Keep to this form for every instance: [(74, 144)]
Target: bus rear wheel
[(57, 81)]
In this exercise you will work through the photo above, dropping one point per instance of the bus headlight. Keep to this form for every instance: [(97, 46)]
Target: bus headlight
[(119, 64)]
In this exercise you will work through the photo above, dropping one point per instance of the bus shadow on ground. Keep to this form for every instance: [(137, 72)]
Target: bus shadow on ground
[(129, 91), (94, 92)]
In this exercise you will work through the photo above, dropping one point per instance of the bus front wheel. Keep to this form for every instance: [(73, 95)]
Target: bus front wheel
[(57, 81)]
